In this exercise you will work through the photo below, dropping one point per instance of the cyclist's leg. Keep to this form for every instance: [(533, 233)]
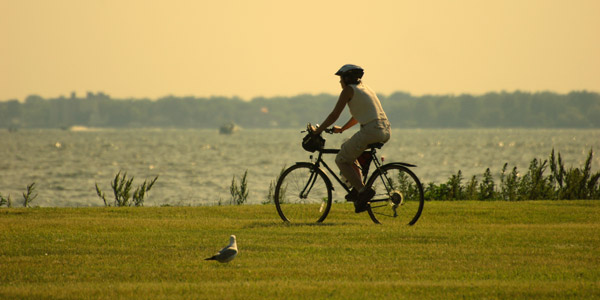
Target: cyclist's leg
[(346, 158), (373, 132)]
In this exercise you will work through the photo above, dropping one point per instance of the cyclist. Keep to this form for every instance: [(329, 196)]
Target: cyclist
[(365, 109)]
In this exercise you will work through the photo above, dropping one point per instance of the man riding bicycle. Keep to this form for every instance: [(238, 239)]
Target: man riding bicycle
[(365, 109)]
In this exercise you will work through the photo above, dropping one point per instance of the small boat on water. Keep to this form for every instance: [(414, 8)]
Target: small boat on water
[(228, 128)]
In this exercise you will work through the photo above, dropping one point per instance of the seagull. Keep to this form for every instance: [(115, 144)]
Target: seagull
[(226, 254)]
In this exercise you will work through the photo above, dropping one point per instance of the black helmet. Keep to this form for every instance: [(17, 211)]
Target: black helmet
[(351, 70)]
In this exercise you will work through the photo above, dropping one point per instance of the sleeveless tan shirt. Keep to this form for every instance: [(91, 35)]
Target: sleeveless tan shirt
[(364, 105)]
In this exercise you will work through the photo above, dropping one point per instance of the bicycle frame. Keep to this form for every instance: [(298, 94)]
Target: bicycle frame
[(320, 161)]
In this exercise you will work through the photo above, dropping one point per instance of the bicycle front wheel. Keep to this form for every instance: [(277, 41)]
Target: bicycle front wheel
[(303, 194), (399, 196)]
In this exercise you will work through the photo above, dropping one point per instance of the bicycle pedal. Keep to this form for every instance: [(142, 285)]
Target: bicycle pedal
[(352, 196)]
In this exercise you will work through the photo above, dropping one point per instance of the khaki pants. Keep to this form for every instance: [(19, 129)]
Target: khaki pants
[(377, 131)]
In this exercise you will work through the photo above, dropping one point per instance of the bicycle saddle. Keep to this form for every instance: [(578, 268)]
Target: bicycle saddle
[(375, 145)]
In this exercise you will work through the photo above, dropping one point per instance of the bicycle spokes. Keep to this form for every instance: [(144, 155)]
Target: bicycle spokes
[(399, 195), (307, 194)]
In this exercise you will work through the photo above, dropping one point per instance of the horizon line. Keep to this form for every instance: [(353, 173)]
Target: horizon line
[(75, 95)]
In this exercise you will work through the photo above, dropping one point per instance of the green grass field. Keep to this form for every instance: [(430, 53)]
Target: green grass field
[(507, 250)]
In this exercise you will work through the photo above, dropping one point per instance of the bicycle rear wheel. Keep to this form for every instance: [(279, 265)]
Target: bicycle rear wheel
[(399, 196), (303, 194)]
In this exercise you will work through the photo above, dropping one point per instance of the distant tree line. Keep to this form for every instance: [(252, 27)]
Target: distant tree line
[(579, 109)]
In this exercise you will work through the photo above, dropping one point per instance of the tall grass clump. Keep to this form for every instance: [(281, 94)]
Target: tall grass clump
[(453, 189), (574, 183), (5, 201), (28, 196), (560, 184), (121, 187), (239, 194), (271, 193)]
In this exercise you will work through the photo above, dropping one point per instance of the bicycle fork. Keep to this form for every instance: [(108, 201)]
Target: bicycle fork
[(309, 184)]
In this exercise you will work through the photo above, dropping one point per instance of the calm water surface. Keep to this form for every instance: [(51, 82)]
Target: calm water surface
[(195, 167)]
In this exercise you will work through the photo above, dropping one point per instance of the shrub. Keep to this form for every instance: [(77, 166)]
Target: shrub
[(563, 184), (509, 184), (5, 201), (486, 187), (28, 196), (436, 192), (239, 195), (455, 187), (471, 189), (121, 187), (270, 199), (574, 183)]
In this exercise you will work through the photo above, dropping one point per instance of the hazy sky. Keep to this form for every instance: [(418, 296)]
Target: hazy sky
[(145, 48)]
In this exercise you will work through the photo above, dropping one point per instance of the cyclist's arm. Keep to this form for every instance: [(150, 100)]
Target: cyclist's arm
[(345, 96), (348, 124)]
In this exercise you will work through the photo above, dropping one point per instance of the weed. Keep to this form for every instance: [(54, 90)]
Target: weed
[(5, 201), (270, 199), (509, 184), (486, 186), (561, 184), (271, 193), (121, 187), (471, 189), (436, 192), (455, 187), (239, 195), (28, 196)]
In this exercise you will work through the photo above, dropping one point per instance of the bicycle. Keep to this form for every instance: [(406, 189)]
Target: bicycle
[(303, 193)]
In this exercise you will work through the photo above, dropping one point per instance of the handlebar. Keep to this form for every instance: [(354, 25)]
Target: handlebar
[(309, 129)]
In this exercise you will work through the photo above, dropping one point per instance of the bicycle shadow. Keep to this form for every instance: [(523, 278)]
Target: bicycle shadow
[(288, 224)]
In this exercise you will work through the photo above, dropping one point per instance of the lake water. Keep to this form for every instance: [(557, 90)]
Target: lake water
[(195, 167)]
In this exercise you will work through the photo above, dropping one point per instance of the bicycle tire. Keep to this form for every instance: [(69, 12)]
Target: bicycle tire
[(399, 201), (303, 194)]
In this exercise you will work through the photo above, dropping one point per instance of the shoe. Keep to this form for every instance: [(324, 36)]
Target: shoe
[(352, 196), (362, 203)]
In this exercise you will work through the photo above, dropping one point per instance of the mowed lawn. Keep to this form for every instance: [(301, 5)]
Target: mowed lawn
[(467, 249)]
